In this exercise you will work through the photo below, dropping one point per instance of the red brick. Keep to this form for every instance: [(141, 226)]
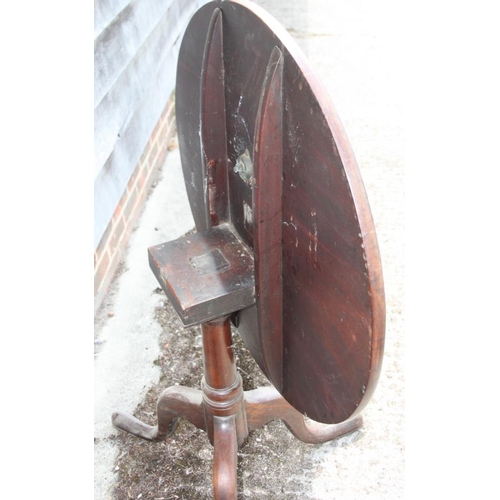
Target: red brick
[(149, 165), (144, 159), (133, 179), (102, 287), (160, 158), (167, 112), (155, 165), (101, 247), (172, 125), (100, 272), (109, 251), (162, 133), (127, 232), (141, 180), (153, 148), (141, 198), (158, 129), (129, 207), (118, 227), (113, 265)]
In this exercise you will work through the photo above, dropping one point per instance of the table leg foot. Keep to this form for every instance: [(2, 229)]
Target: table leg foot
[(225, 458), (266, 403), (173, 403)]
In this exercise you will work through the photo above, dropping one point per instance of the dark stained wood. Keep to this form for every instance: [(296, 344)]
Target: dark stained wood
[(219, 365), (225, 458), (173, 403), (189, 141), (205, 275), (225, 411), (268, 217), (222, 386), (213, 125), (266, 403), (331, 319)]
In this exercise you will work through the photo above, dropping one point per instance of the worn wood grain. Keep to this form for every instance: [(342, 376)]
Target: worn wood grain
[(213, 125), (332, 299), (206, 275), (267, 200)]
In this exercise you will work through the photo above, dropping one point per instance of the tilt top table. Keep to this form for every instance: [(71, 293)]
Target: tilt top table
[(285, 247)]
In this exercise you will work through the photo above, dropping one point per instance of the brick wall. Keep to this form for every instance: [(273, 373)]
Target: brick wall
[(114, 241)]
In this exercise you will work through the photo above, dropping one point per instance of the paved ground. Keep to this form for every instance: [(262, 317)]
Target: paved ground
[(354, 50)]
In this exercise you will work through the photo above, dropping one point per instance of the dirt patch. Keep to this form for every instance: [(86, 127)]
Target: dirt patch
[(269, 463)]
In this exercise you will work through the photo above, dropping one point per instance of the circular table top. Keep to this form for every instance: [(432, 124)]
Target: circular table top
[(263, 149)]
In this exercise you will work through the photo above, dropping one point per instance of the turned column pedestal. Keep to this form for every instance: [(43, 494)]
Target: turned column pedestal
[(225, 411)]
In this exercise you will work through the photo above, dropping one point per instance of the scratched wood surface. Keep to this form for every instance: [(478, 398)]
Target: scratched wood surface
[(247, 96)]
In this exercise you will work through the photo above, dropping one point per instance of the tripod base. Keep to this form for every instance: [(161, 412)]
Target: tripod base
[(259, 407), (225, 412)]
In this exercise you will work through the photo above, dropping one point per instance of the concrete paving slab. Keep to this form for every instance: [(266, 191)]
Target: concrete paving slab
[(127, 342)]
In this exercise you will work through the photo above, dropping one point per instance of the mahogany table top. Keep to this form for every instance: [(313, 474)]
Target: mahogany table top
[(263, 150)]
